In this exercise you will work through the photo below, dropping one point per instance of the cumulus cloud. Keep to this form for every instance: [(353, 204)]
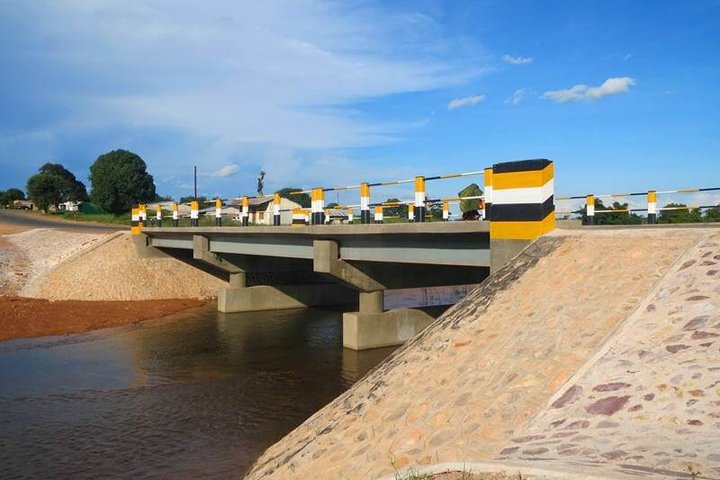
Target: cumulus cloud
[(611, 86), (517, 97), (465, 102), (517, 60)]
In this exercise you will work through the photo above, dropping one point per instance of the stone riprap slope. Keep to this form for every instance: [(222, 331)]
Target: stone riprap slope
[(26, 256), (649, 402), (471, 382), (112, 271)]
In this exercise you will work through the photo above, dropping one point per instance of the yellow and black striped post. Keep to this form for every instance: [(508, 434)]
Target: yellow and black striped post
[(446, 211), (175, 215), (364, 203), (276, 209), (379, 214), (488, 176), (411, 213), (652, 207), (158, 215), (194, 213), (326, 216), (590, 210), (523, 205), (143, 214), (298, 217), (350, 214), (218, 212), (135, 227), (318, 206), (419, 199), (245, 211), (481, 209)]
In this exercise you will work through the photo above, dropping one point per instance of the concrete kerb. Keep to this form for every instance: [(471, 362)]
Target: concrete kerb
[(511, 469)]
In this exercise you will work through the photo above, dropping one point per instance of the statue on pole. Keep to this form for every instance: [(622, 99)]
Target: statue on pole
[(260, 184)]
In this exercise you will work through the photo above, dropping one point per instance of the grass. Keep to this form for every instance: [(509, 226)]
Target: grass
[(98, 217)]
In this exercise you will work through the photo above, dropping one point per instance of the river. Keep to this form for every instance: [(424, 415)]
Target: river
[(198, 394)]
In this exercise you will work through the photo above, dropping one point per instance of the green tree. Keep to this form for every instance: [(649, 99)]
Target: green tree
[(73, 189), (682, 214), (612, 218), (46, 189), (7, 197), (301, 198), (202, 199), (120, 180), (712, 214), (400, 210), (472, 190)]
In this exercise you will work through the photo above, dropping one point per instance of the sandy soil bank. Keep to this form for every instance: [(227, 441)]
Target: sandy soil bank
[(32, 317), (55, 281)]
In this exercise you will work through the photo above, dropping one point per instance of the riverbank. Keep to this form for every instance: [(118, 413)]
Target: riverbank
[(56, 280), (32, 317)]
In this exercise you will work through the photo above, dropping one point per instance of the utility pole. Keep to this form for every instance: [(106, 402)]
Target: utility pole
[(195, 182)]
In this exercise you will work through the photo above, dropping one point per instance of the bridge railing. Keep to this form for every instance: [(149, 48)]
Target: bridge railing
[(522, 209), (589, 212)]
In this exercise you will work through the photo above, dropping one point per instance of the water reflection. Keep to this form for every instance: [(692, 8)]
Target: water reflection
[(195, 395)]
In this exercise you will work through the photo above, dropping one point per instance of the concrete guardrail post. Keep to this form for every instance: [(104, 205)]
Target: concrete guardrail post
[(488, 176), (364, 203), (318, 206), (194, 213), (276, 210), (652, 207), (218, 212), (175, 215), (135, 227), (379, 214), (420, 199), (590, 210), (245, 211)]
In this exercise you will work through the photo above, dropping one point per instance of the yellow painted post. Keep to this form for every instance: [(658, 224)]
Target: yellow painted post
[(276, 209), (135, 227), (488, 193), (245, 211), (218, 212), (364, 203), (523, 202), (446, 211), (652, 207), (318, 206), (194, 213), (379, 214), (175, 215), (419, 199), (411, 212)]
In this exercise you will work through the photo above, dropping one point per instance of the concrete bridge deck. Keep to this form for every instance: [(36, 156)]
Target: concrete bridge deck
[(280, 267), (438, 243)]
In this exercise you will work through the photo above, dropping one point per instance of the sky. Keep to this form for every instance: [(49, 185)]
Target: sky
[(621, 95)]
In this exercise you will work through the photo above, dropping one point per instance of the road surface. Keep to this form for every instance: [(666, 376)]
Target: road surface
[(20, 218)]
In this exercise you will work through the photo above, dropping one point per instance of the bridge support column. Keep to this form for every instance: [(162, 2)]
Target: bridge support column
[(265, 297)]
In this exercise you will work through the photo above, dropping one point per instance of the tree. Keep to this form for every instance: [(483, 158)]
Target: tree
[(682, 214), (7, 197), (119, 181), (190, 198), (712, 215), (471, 190), (400, 210), (612, 218), (302, 198), (46, 189), (73, 189)]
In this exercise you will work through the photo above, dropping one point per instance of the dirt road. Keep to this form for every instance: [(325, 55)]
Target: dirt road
[(14, 221)]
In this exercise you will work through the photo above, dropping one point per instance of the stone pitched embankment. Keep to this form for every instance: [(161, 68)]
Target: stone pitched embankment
[(489, 381)]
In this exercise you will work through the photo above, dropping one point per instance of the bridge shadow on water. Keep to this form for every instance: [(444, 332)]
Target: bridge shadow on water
[(198, 394)]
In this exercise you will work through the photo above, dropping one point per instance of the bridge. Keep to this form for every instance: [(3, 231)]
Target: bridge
[(278, 267)]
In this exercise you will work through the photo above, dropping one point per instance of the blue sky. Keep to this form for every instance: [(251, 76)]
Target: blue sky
[(622, 95)]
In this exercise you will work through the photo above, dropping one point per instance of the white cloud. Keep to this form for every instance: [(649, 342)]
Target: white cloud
[(611, 86), (517, 97), (223, 172), (517, 60), (465, 102), (232, 77)]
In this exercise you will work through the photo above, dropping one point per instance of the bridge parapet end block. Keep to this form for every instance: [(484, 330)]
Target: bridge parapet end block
[(523, 207)]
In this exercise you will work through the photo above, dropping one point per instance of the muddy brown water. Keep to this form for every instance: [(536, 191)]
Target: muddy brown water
[(198, 394)]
